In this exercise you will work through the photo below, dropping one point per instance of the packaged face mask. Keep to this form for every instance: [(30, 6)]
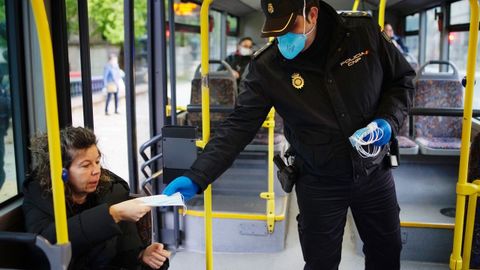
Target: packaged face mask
[(362, 140), (175, 199)]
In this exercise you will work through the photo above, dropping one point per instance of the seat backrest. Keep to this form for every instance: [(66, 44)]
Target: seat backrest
[(19, 254), (438, 90), (411, 60), (404, 129), (223, 92)]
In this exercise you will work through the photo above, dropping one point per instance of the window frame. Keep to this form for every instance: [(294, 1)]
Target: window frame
[(17, 73)]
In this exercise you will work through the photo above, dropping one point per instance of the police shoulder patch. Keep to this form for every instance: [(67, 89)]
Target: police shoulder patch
[(356, 14), (261, 50)]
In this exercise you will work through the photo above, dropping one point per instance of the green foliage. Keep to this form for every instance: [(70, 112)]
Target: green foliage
[(2, 11), (3, 26), (72, 16), (106, 18)]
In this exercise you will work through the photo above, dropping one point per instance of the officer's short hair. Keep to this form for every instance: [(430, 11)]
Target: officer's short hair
[(308, 7)]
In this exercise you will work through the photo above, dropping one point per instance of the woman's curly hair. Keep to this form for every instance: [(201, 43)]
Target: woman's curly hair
[(72, 140)]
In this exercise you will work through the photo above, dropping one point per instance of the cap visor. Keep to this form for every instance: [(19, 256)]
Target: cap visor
[(274, 27)]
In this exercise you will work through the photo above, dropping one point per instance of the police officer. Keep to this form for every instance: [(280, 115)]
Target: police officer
[(328, 76)]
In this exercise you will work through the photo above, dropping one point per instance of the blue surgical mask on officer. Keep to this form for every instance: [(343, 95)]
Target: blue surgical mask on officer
[(291, 44)]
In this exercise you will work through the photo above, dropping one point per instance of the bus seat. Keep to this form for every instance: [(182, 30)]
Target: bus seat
[(16, 244), (260, 141), (438, 135), (223, 92), (411, 60), (406, 145)]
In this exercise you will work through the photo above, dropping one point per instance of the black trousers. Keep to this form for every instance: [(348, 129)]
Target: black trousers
[(323, 203), (115, 95)]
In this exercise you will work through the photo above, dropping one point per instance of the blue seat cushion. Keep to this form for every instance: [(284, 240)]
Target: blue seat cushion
[(440, 142), (404, 142)]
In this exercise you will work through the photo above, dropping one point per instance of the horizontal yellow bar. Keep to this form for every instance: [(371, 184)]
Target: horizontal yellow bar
[(427, 225), (200, 144), (231, 215)]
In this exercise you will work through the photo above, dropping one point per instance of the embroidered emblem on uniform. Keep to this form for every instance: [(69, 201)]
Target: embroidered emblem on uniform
[(297, 81), (355, 59), (270, 8)]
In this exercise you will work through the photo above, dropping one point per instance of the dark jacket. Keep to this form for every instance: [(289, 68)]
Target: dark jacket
[(238, 63), (351, 74), (97, 241)]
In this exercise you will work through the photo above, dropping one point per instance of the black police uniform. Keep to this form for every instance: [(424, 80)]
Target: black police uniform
[(350, 75)]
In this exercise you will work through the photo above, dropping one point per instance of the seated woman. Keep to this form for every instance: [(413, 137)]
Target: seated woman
[(101, 218)]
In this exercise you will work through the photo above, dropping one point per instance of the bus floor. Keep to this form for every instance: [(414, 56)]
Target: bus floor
[(289, 258)]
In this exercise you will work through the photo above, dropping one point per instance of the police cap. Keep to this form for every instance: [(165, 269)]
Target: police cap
[(280, 16)]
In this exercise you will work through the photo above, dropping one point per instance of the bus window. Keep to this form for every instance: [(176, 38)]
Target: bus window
[(232, 32), (460, 12), (232, 25), (231, 44), (412, 23), (433, 39), (411, 34), (106, 50), (457, 51), (458, 43), (187, 51), (216, 35), (8, 176)]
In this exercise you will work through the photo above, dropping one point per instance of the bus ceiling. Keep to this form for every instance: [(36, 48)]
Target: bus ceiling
[(400, 7), (234, 7), (405, 7)]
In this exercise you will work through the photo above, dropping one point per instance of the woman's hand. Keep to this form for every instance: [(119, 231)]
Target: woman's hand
[(131, 210), (154, 255)]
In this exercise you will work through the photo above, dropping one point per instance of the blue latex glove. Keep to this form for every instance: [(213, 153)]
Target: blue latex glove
[(387, 131), (381, 130), (184, 185)]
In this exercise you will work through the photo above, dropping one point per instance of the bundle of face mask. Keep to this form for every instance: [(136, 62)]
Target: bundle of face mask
[(363, 140), (175, 199)]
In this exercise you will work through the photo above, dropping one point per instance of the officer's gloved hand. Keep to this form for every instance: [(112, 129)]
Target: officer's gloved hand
[(377, 134), (184, 185)]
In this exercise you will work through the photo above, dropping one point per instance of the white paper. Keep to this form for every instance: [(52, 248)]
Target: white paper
[(175, 199)]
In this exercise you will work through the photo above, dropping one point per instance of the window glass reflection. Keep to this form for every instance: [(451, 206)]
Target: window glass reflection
[(8, 177)]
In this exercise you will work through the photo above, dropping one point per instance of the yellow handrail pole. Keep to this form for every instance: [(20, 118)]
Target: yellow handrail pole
[(270, 194), (355, 5), (467, 243), (49, 88), (271, 201), (455, 258), (381, 13), (207, 195)]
